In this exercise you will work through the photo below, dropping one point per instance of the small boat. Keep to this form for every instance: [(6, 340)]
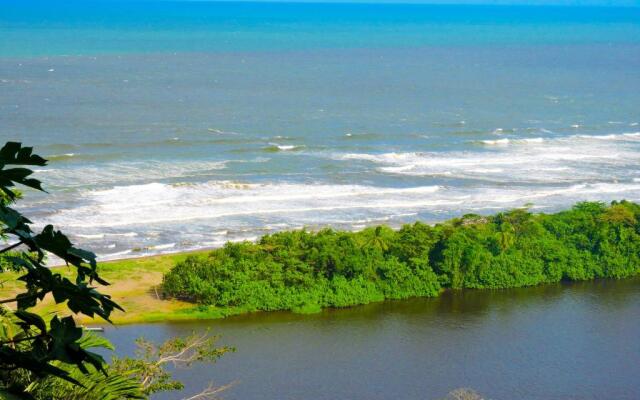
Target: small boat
[(94, 329)]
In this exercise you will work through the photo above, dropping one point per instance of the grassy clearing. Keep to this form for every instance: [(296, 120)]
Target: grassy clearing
[(133, 286)]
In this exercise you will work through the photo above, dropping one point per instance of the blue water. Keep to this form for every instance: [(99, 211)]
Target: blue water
[(34, 28), (180, 125)]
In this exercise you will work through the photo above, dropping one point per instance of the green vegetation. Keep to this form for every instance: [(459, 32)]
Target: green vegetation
[(30, 345), (304, 271), (135, 378), (134, 285), (51, 357)]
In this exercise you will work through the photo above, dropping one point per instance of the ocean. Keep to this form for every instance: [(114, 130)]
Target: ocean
[(173, 126)]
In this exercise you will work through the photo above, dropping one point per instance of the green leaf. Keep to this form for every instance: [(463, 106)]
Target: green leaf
[(91, 340), (61, 348), (32, 319), (14, 154)]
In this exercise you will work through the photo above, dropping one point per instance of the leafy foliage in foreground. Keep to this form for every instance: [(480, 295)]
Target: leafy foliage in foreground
[(30, 344), (151, 365), (94, 385), (52, 359), (139, 377), (305, 271)]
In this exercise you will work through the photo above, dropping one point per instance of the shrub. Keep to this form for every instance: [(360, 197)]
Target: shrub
[(305, 271)]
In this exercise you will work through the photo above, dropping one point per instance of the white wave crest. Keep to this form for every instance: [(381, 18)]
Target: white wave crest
[(284, 147), (500, 142), (506, 141), (206, 215), (96, 236), (613, 136), (158, 203), (577, 158)]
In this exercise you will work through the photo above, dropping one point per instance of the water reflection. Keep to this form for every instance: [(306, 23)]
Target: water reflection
[(570, 340)]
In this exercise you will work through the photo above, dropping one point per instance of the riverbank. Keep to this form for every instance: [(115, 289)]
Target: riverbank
[(306, 272), (134, 284)]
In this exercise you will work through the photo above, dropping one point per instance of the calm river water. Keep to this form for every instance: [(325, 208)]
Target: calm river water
[(568, 341)]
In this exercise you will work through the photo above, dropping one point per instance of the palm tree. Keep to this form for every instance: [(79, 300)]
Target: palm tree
[(378, 240), (505, 236)]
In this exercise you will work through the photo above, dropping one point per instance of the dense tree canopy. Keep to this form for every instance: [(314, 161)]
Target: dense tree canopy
[(301, 270)]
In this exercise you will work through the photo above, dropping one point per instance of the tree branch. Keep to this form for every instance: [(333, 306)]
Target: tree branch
[(183, 356), (210, 392), (16, 299)]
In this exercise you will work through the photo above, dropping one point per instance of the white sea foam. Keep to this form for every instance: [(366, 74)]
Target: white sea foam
[(500, 142), (139, 205), (208, 214), (575, 158), (217, 204), (61, 156), (126, 234), (507, 141), (163, 246), (516, 141), (612, 136), (285, 147), (96, 236), (157, 203)]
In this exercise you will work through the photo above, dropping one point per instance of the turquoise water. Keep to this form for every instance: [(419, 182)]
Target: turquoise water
[(173, 126), (36, 28)]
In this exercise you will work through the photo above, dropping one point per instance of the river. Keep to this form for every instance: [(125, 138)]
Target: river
[(565, 341)]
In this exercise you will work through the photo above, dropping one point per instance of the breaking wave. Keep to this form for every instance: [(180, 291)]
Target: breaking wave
[(577, 158)]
